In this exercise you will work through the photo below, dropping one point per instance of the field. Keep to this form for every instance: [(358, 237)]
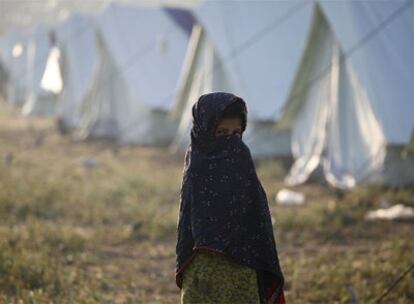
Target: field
[(95, 223)]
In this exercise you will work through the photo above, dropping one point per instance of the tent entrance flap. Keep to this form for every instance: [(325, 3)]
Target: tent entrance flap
[(335, 127)]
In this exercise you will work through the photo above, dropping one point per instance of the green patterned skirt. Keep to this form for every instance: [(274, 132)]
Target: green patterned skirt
[(212, 278)]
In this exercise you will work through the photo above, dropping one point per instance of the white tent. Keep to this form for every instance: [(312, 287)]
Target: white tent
[(76, 39), (24, 54), (13, 53), (141, 50), (39, 101), (25, 13), (251, 49), (352, 103), (4, 80)]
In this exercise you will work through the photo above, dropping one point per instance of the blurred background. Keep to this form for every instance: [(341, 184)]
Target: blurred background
[(95, 115)]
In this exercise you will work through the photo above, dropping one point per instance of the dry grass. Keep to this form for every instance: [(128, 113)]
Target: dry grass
[(106, 234)]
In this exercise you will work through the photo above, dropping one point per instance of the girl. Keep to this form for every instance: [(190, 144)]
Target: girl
[(226, 251)]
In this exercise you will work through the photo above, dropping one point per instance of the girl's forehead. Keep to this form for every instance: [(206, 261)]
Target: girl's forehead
[(229, 122)]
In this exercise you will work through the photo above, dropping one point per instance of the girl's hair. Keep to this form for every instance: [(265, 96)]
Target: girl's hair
[(236, 110)]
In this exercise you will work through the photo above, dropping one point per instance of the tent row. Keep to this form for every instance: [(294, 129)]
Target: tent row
[(105, 76), (328, 84)]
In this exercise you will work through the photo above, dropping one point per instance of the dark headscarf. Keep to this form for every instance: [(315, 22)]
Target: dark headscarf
[(223, 206)]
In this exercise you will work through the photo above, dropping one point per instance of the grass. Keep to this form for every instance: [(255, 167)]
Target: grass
[(106, 234)]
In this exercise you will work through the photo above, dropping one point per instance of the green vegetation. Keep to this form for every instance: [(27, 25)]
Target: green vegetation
[(106, 234)]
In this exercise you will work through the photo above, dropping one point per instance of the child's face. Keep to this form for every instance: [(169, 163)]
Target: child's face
[(228, 126)]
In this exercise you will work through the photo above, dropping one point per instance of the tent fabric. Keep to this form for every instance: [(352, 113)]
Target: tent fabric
[(261, 44), (26, 14), (345, 112), (141, 51), (384, 64), (13, 51), (52, 80), (14, 14), (251, 49), (98, 110), (4, 80), (38, 100), (182, 18), (148, 48), (76, 39)]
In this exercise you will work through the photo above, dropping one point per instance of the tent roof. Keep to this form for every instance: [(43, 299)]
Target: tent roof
[(263, 58), (377, 38), (13, 14), (260, 43), (29, 62), (77, 38), (148, 48)]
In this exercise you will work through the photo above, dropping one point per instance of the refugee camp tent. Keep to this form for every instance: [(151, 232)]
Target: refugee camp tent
[(251, 49), (76, 40), (4, 74), (13, 54), (24, 54), (141, 51), (18, 20), (39, 99), (27, 13), (4, 79), (352, 103)]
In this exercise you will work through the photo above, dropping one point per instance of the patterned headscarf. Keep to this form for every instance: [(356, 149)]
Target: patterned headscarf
[(223, 206)]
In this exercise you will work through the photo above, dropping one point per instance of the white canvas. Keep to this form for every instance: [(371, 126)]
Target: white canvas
[(256, 48), (141, 51), (351, 104)]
